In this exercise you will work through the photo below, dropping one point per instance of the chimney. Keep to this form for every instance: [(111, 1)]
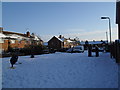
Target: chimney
[(28, 34), (60, 36)]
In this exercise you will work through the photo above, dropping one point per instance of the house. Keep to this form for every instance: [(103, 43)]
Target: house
[(61, 42), (55, 43), (17, 40)]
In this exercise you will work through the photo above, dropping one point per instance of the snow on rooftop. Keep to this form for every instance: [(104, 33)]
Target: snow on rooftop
[(36, 38), (59, 39), (16, 36), (12, 36), (2, 35), (69, 41), (93, 42)]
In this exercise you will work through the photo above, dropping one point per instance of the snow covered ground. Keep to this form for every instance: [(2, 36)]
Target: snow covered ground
[(61, 70), (0, 73)]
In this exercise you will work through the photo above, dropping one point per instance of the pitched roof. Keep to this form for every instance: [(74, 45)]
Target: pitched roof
[(7, 32), (59, 38), (13, 35), (62, 39), (2, 35)]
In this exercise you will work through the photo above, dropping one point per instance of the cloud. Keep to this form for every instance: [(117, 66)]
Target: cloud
[(84, 34), (97, 34), (93, 35)]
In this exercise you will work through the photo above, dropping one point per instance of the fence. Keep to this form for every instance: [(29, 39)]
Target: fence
[(115, 50)]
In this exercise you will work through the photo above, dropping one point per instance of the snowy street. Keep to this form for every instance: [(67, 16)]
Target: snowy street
[(61, 70)]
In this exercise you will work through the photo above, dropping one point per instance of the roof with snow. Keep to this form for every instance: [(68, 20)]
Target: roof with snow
[(18, 36), (12, 36), (94, 42), (59, 38), (36, 38), (62, 39), (2, 35), (15, 36), (8, 32), (69, 41)]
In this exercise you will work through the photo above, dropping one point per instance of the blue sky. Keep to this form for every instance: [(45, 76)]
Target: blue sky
[(71, 19), (0, 14)]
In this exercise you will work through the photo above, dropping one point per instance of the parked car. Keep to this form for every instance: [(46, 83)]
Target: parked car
[(76, 49)]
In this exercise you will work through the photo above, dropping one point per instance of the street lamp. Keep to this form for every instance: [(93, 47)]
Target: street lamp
[(107, 36), (109, 25)]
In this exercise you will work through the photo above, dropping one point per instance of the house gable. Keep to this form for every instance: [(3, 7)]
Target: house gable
[(55, 43)]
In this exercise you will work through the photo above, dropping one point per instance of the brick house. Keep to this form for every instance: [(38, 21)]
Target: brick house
[(61, 42), (17, 40), (55, 43)]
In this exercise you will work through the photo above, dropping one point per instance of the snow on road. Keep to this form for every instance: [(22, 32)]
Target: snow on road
[(61, 70)]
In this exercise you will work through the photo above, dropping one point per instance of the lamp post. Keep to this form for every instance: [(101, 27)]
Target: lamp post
[(107, 36), (109, 26)]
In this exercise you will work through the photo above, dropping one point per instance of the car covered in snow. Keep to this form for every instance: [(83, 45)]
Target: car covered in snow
[(76, 49)]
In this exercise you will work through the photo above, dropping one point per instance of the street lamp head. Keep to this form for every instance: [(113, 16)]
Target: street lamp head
[(104, 17)]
